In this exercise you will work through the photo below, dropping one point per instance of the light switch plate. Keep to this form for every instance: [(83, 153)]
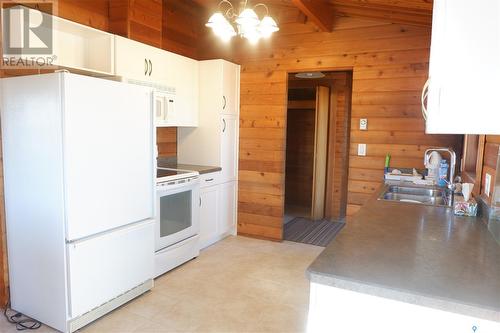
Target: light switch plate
[(487, 184), (363, 124), (362, 149)]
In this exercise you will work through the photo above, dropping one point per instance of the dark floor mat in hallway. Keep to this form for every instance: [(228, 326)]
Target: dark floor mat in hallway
[(320, 233)]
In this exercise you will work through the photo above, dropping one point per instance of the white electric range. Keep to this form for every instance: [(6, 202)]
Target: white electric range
[(177, 218)]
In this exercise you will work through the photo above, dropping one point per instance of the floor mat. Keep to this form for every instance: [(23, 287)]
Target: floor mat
[(320, 233)]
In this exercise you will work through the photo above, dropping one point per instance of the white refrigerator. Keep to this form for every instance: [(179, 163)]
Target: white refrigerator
[(79, 176)]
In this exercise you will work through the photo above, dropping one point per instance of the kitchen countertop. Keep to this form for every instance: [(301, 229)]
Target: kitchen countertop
[(202, 169), (417, 254)]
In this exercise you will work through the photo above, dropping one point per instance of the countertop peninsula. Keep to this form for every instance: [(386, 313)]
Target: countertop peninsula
[(418, 254)]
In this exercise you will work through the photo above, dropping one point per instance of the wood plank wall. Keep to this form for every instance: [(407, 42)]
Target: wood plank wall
[(390, 66)]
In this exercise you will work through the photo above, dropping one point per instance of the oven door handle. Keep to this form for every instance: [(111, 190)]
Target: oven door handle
[(175, 246)]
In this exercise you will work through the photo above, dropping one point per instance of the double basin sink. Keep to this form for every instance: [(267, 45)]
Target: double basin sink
[(417, 195)]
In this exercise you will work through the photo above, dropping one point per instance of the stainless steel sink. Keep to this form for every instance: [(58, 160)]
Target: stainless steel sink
[(417, 195)]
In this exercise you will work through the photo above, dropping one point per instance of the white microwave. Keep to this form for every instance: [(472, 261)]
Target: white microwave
[(163, 100), (164, 108)]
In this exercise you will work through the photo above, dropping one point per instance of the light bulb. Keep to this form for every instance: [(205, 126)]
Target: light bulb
[(247, 18), (215, 20), (267, 26), (225, 31)]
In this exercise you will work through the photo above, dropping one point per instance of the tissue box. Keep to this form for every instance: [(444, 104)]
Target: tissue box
[(465, 208)]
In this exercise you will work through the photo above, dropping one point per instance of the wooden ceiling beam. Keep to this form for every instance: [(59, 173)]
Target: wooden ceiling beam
[(318, 11), (388, 14)]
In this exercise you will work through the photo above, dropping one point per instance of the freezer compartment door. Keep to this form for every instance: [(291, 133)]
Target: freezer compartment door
[(108, 155), (106, 266)]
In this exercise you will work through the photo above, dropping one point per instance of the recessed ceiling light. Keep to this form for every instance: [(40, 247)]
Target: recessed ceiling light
[(310, 75)]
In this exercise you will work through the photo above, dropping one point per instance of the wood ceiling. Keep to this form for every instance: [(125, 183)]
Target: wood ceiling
[(323, 12)]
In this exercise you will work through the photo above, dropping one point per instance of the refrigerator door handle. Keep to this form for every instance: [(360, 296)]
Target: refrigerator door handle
[(75, 242)]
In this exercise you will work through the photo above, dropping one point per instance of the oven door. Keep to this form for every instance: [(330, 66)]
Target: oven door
[(177, 213)]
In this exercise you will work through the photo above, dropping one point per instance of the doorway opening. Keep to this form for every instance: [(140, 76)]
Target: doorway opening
[(317, 146)]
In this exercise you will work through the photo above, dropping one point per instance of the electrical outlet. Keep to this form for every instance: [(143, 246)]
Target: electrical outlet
[(363, 124), (487, 184), (362, 149)]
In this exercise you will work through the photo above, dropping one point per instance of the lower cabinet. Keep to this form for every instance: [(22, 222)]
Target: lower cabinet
[(209, 201), (227, 215), (217, 212)]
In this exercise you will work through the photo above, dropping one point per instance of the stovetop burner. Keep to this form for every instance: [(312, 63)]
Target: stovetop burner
[(167, 174)]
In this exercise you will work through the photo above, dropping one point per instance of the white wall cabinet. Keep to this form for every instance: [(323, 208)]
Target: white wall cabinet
[(464, 73), (138, 61), (217, 209), (158, 67), (230, 86), (215, 141), (76, 47), (183, 75)]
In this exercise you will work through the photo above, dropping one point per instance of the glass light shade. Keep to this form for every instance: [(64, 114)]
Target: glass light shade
[(225, 31), (247, 18), (216, 20), (267, 26)]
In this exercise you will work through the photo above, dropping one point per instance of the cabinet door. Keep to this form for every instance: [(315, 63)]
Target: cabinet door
[(229, 148), (139, 61), (464, 68), (131, 59), (230, 88), (158, 65), (228, 202), (209, 201), (183, 76)]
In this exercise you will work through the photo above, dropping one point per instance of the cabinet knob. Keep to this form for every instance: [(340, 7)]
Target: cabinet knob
[(150, 67), (224, 128), (146, 67), (225, 102)]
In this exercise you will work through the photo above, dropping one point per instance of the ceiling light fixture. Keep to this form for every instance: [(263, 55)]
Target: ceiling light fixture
[(310, 75), (247, 23)]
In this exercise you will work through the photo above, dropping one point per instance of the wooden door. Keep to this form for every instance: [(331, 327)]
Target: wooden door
[(320, 152)]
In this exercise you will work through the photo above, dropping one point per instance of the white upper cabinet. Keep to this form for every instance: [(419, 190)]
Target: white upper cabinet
[(464, 73), (230, 87), (138, 61), (183, 76), (75, 47), (215, 141)]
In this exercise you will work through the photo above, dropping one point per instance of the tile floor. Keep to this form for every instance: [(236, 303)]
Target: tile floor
[(237, 285)]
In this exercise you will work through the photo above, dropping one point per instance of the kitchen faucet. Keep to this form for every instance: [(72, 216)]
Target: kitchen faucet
[(453, 162)]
